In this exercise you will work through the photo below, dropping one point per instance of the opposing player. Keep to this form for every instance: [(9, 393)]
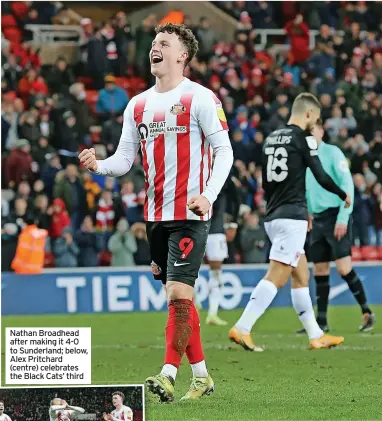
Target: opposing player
[(217, 249), (3, 417), (176, 123), (287, 153), (331, 234), (121, 411), (60, 410)]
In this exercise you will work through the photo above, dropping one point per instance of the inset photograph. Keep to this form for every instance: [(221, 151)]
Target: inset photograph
[(108, 403)]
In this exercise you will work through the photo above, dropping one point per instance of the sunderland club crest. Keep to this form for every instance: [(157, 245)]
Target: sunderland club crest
[(178, 109)]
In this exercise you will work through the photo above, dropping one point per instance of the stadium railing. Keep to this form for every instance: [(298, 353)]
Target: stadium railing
[(67, 35)]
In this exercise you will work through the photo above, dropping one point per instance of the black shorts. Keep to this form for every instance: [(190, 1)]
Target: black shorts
[(177, 249), (324, 246)]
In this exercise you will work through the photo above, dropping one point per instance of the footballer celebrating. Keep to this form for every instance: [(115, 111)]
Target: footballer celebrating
[(60, 410), (3, 417), (286, 155), (121, 411), (180, 127)]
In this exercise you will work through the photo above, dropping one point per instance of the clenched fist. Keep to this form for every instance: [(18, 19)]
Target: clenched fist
[(88, 159), (199, 205)]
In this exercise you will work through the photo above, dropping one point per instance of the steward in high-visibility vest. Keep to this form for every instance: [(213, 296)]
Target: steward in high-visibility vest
[(30, 252)]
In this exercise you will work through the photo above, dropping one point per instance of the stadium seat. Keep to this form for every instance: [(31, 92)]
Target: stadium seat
[(91, 99), (369, 253), (122, 82), (104, 258), (49, 260), (356, 254), (20, 9), (87, 81), (8, 21), (12, 34), (380, 252)]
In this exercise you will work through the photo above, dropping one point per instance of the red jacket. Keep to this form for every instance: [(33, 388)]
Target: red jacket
[(60, 219), (18, 167), (299, 41), (26, 57), (31, 87)]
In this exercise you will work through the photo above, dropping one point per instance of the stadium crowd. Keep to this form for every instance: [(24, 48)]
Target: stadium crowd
[(33, 404), (50, 113)]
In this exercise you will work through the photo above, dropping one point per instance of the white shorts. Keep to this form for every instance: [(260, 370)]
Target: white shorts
[(288, 239), (217, 249)]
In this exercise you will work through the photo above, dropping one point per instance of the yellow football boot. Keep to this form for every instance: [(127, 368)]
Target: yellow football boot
[(200, 386), (162, 386)]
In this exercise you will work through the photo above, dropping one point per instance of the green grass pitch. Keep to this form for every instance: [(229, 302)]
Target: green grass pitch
[(286, 382)]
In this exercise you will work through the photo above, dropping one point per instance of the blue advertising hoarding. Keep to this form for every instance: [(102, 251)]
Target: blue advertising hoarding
[(95, 290)]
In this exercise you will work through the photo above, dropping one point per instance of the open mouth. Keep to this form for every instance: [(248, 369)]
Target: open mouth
[(156, 59)]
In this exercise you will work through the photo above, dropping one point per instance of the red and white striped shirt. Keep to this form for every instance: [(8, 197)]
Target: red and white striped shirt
[(5, 417), (176, 132), (125, 413)]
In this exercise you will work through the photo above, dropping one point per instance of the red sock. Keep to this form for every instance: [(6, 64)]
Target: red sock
[(194, 348), (178, 330)]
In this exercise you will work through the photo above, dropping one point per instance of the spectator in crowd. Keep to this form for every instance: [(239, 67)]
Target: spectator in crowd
[(48, 173), (9, 126), (112, 53), (69, 139), (59, 218), (24, 191), (142, 255), (32, 84), (19, 215), (207, 38), (9, 236), (46, 126), (12, 72), (124, 39), (298, 33), (29, 128), (71, 190), (89, 243), (19, 166), (252, 241), (65, 250), (144, 36), (81, 109), (111, 133), (362, 213), (105, 216), (41, 204), (112, 100), (376, 203), (132, 202), (92, 189), (61, 77), (42, 151), (122, 245), (97, 61)]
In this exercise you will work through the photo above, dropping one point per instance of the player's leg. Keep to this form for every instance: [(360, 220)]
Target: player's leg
[(216, 252), (348, 274), (342, 257), (287, 237), (162, 384), (302, 303), (320, 253), (187, 244), (322, 275)]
